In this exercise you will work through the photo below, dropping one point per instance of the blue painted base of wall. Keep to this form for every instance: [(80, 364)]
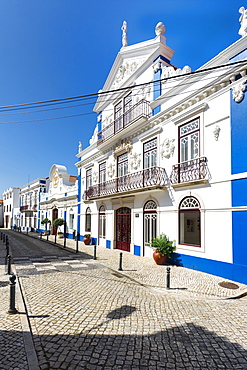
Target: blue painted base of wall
[(137, 250), (235, 272)]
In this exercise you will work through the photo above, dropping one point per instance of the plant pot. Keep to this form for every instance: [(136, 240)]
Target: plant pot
[(86, 241), (159, 259)]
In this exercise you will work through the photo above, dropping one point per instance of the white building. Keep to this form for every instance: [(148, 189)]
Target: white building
[(11, 207), (29, 204), (170, 156), (60, 200), (1, 213)]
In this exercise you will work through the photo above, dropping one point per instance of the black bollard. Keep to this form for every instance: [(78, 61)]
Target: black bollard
[(64, 240), (3, 238), (7, 249), (120, 261), (47, 236), (168, 270), (9, 265), (1, 235), (77, 242), (27, 230), (55, 242), (40, 235), (94, 252), (12, 310)]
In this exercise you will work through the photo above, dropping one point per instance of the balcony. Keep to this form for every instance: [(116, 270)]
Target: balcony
[(140, 112), (28, 208), (150, 178), (195, 170)]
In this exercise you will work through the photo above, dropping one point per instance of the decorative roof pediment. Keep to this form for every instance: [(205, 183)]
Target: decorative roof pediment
[(130, 63)]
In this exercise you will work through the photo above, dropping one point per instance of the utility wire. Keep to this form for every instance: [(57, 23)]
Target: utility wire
[(101, 93)]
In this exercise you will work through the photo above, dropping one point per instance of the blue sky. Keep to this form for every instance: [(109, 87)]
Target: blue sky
[(52, 49)]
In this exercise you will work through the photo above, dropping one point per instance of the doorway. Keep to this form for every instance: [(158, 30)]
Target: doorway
[(123, 228)]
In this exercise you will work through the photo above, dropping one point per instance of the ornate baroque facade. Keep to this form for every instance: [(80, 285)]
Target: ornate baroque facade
[(170, 156)]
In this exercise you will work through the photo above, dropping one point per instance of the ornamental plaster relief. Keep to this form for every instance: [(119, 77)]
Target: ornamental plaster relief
[(171, 71), (121, 147), (111, 170), (167, 148), (125, 70), (135, 161), (216, 132)]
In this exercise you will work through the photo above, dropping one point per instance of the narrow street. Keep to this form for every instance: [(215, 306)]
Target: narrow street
[(84, 315)]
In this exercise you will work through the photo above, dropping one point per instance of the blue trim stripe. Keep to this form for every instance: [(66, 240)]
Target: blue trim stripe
[(235, 272)]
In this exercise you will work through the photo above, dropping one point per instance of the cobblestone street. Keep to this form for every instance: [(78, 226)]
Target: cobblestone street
[(84, 315)]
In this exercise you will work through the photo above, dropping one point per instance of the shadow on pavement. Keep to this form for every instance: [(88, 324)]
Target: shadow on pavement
[(186, 346)]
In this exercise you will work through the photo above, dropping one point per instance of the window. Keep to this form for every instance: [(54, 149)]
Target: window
[(102, 173), (10, 208), (118, 117), (88, 220), (150, 221), (122, 165), (150, 153), (127, 110), (102, 222), (71, 221), (122, 113), (189, 222), (189, 141), (89, 178)]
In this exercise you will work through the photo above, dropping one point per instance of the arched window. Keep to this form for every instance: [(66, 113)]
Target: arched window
[(190, 222), (150, 221), (102, 222), (88, 220)]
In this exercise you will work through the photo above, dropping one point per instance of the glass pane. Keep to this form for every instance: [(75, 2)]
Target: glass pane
[(190, 228), (194, 145), (184, 149)]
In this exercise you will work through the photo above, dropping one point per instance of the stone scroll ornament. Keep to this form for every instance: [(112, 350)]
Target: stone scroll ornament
[(238, 92)]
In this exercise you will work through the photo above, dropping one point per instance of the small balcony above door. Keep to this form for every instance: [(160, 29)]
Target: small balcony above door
[(148, 179), (192, 171)]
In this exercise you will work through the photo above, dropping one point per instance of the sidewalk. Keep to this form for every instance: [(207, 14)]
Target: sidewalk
[(183, 281), (16, 346), (16, 340)]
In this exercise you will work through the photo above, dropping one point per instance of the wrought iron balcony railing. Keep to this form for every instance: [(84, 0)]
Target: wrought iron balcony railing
[(189, 171), (28, 207), (139, 110), (149, 178)]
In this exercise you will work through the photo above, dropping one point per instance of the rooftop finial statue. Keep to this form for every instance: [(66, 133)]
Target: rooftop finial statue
[(124, 35), (243, 21), (160, 29)]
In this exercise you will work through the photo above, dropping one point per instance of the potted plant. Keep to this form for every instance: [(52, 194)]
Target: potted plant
[(163, 248), (86, 239), (45, 221), (57, 223)]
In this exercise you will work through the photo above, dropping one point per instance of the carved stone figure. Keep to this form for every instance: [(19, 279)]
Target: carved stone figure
[(238, 92), (124, 34), (243, 22), (80, 147), (160, 29)]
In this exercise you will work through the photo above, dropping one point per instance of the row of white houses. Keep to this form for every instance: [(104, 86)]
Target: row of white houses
[(165, 157)]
